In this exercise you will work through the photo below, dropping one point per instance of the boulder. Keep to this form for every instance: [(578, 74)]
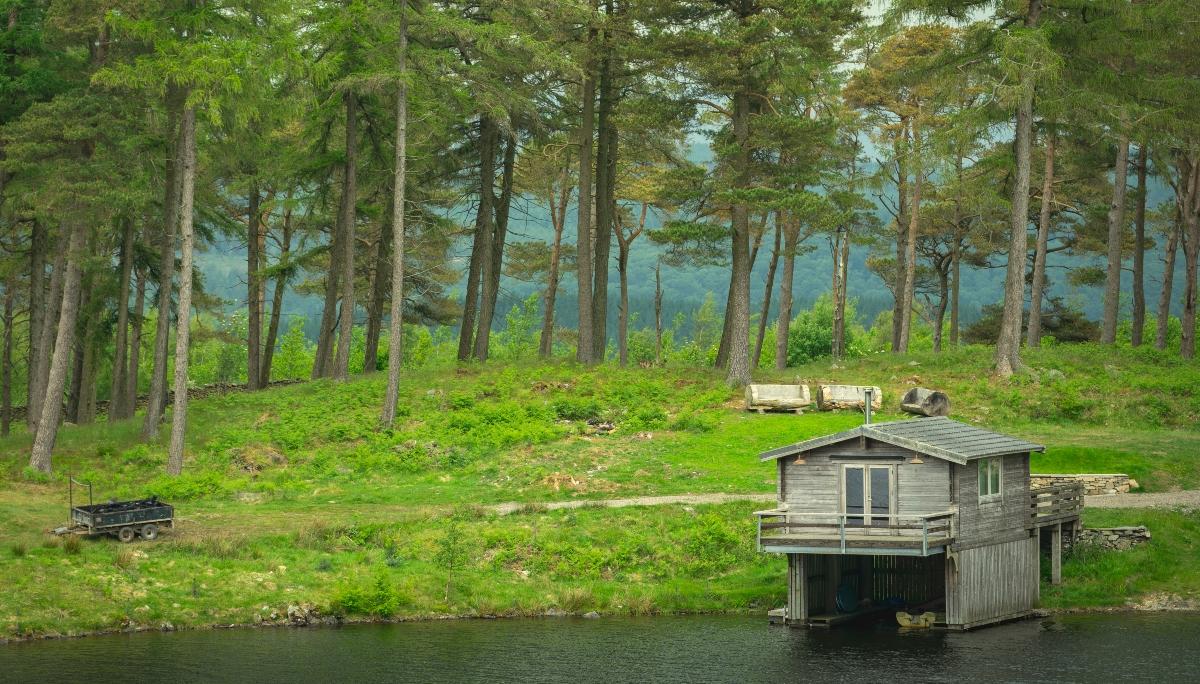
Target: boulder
[(836, 397), (925, 402), (777, 397)]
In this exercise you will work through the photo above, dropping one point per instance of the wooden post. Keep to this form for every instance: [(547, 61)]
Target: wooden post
[(1056, 554), (797, 603), (833, 577)]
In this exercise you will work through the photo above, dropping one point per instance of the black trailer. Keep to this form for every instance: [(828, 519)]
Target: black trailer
[(124, 520)]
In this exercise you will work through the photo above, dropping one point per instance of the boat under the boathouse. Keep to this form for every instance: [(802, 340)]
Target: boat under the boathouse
[(929, 516)]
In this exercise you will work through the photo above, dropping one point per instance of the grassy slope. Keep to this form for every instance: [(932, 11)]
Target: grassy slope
[(300, 477)]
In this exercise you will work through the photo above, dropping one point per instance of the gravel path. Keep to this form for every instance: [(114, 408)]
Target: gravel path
[(1181, 499), (506, 508), (1188, 498)]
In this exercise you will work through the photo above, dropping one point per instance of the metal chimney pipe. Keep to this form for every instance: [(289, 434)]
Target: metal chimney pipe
[(869, 397)]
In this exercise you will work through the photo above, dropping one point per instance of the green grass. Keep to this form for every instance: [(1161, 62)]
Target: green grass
[(302, 477), (1168, 564)]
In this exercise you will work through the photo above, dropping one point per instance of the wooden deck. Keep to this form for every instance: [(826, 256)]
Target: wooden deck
[(893, 535)]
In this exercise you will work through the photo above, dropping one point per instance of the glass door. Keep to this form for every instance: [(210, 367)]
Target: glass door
[(867, 495)]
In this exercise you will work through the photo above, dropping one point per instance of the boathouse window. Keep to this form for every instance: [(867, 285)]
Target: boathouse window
[(989, 479)]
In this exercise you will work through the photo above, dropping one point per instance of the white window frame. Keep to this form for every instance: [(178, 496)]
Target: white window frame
[(984, 478), (867, 519)]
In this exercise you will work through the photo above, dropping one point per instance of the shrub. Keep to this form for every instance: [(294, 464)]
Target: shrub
[(380, 598), (71, 545), (695, 421), (18, 549)]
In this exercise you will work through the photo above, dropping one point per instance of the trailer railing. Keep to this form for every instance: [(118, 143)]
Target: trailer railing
[(780, 527)]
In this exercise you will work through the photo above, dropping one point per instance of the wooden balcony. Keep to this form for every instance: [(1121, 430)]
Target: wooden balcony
[(780, 531), (1055, 504)]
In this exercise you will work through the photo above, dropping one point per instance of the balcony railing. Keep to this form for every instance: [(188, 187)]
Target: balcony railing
[(1055, 503), (781, 530)]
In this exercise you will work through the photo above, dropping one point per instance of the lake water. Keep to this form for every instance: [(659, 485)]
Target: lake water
[(1080, 648)]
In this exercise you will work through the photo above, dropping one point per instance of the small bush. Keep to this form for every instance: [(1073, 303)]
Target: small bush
[(697, 421), (124, 559), (18, 549), (380, 599)]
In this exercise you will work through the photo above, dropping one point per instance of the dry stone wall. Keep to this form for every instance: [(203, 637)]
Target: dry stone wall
[(1113, 538), (1093, 483)]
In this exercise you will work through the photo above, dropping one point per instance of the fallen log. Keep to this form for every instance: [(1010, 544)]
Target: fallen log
[(925, 402), (838, 397), (764, 398)]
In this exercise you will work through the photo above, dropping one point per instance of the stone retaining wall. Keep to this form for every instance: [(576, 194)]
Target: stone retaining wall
[(1093, 483), (1113, 538)]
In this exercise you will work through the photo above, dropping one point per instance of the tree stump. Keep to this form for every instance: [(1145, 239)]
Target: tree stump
[(925, 402), (837, 397)]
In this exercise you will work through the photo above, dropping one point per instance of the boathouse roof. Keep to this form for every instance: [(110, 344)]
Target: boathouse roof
[(939, 437)]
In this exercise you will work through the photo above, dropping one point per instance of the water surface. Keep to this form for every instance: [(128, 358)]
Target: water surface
[(1082, 648)]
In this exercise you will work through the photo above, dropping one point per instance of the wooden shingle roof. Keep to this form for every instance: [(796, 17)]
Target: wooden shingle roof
[(939, 437)]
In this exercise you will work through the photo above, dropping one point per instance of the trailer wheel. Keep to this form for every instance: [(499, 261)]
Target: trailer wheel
[(126, 534), (150, 532)]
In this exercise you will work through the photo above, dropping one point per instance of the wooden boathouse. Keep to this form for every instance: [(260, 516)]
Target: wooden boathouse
[(926, 515)]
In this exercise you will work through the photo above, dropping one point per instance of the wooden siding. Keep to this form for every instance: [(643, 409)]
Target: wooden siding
[(993, 582), (815, 486), (990, 522)]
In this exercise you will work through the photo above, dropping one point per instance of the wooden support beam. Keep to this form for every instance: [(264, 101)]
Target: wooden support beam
[(1056, 539), (797, 600)]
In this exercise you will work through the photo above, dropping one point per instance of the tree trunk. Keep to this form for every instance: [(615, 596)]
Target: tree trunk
[(956, 268), (492, 268), (6, 363), (910, 242), (135, 346), (943, 301), (767, 291), (85, 411), (37, 309), (1008, 344), (481, 247), (1139, 252), (285, 250), (838, 333), (1164, 297), (583, 250), (322, 358), (605, 218), (1189, 209), (396, 314), (75, 388), (166, 272), (378, 286), (898, 295), (1116, 235), (623, 311), (183, 329), (843, 293), (1034, 332), (117, 395), (47, 336), (254, 300), (782, 328), (558, 217), (722, 360), (347, 216), (56, 378), (739, 315), (658, 324)]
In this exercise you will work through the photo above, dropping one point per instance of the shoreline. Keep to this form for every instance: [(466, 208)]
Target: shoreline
[(313, 620)]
